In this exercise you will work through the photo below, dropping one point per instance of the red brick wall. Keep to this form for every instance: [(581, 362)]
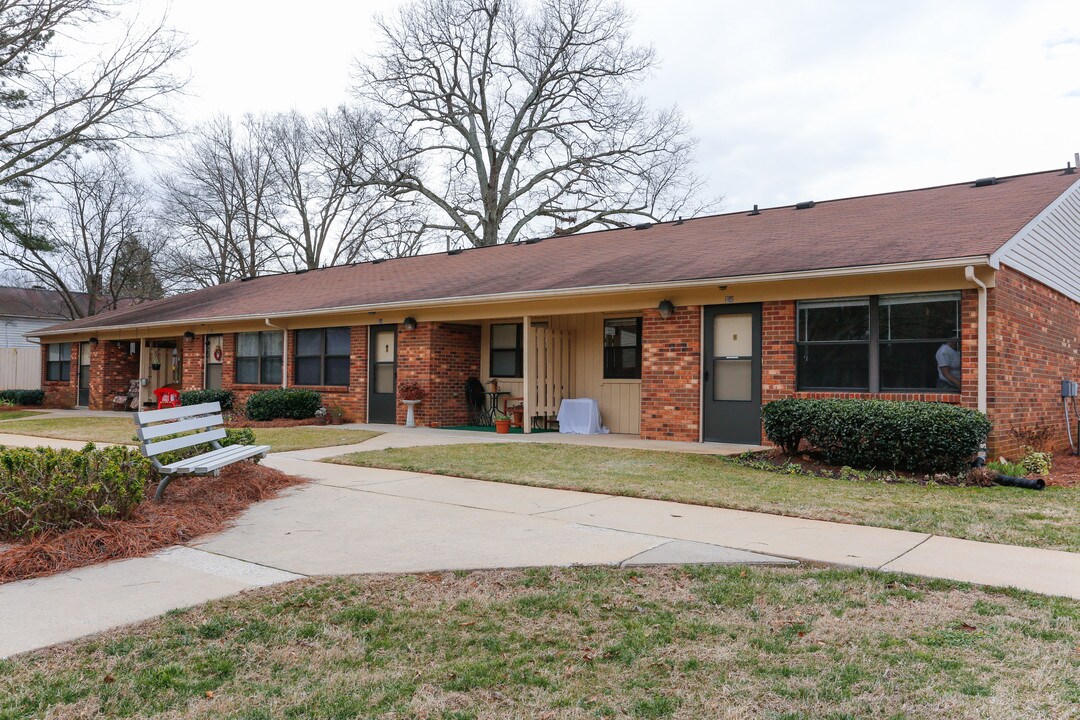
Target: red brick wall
[(778, 359), (112, 369), (193, 363), (671, 375), (1033, 344), (352, 399), (441, 357), (60, 394)]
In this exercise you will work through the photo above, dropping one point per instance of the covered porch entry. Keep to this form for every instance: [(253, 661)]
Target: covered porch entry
[(539, 361)]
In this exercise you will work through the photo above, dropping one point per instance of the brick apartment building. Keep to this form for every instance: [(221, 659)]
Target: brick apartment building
[(679, 330)]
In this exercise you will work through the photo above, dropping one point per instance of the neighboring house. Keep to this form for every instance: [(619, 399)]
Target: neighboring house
[(23, 311), (679, 330)]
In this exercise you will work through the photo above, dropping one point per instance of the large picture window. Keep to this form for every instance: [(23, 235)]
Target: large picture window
[(506, 359), (258, 358), (322, 356), (59, 362), (622, 348), (880, 343)]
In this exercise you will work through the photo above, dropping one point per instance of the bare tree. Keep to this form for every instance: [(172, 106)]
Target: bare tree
[(506, 116), (51, 103), (87, 234), (217, 204), (320, 214)]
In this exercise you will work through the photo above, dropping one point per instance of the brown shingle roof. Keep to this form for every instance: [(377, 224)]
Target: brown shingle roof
[(36, 303), (952, 221)]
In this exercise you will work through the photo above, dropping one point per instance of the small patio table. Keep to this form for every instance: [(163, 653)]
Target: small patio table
[(493, 404)]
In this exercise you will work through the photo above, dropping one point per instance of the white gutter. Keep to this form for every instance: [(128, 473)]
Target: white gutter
[(284, 352), (981, 260), (969, 273)]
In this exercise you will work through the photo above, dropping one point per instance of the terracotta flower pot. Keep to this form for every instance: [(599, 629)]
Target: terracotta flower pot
[(502, 427)]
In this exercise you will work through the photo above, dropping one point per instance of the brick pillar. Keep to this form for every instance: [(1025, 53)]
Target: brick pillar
[(112, 368), (777, 352), (193, 359), (671, 375), (441, 357)]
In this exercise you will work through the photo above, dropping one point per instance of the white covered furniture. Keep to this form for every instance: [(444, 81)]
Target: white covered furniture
[(580, 416), (161, 431)]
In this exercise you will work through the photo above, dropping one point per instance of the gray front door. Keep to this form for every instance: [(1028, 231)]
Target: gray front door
[(733, 373), (84, 375), (382, 381)]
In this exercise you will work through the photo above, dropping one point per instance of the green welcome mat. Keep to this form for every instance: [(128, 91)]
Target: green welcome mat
[(491, 429)]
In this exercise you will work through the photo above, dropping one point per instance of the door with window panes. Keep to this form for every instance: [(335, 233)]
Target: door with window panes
[(84, 375), (382, 390), (732, 374)]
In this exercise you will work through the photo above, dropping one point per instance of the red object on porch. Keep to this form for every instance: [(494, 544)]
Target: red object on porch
[(167, 398)]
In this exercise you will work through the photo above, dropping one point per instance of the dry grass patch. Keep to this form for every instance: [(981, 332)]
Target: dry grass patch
[(121, 429), (1047, 519), (715, 642)]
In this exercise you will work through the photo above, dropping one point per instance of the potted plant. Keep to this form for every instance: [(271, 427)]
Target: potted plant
[(411, 393), (320, 416), (502, 421), (337, 414)]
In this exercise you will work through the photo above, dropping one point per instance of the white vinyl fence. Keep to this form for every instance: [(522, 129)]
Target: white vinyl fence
[(20, 368)]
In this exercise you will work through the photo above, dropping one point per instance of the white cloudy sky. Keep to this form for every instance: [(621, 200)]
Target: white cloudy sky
[(790, 100)]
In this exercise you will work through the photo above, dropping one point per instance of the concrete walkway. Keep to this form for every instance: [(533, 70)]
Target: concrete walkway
[(360, 520)]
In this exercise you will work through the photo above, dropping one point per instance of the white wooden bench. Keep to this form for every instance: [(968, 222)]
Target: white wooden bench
[(206, 418)]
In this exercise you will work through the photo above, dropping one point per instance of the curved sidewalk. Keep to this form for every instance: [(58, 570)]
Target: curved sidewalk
[(361, 520)]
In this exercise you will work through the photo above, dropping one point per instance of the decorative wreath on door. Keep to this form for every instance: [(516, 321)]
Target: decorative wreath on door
[(217, 353)]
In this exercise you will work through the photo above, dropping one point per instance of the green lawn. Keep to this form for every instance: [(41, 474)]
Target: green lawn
[(17, 414), (121, 429), (1048, 519), (699, 642)]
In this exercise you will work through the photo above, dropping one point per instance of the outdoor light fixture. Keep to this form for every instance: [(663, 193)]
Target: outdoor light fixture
[(666, 308), (93, 341), (189, 336), (409, 323)]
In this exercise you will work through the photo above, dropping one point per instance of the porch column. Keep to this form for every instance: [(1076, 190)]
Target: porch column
[(526, 372)]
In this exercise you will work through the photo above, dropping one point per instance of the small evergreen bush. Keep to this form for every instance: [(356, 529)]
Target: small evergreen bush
[(198, 397), (881, 434), (292, 403), (23, 397), (43, 489)]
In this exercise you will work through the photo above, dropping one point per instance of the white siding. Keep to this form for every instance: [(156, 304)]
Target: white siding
[(1048, 248), (13, 329)]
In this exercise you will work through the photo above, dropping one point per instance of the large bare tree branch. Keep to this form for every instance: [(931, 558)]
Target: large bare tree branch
[(507, 116)]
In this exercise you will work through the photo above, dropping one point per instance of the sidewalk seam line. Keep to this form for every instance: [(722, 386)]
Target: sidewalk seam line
[(233, 557)]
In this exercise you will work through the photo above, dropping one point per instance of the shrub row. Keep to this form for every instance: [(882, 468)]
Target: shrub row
[(881, 434), (198, 397), (43, 489), (284, 403), (23, 397)]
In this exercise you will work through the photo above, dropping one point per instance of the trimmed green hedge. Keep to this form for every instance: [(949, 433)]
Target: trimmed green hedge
[(43, 489), (880, 434), (291, 403), (198, 397), (23, 397)]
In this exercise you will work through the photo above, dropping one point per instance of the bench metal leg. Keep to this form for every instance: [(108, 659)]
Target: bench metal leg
[(165, 480)]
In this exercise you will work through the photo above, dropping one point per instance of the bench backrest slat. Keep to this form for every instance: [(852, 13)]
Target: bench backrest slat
[(156, 448), (149, 432), (177, 413)]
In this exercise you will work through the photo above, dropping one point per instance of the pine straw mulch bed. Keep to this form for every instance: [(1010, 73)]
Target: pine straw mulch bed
[(192, 507)]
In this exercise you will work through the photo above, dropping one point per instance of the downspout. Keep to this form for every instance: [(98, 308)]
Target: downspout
[(284, 351), (969, 274)]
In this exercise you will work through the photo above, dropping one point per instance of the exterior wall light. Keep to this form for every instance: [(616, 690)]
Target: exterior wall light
[(93, 341), (666, 308), (189, 336), (409, 323)]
